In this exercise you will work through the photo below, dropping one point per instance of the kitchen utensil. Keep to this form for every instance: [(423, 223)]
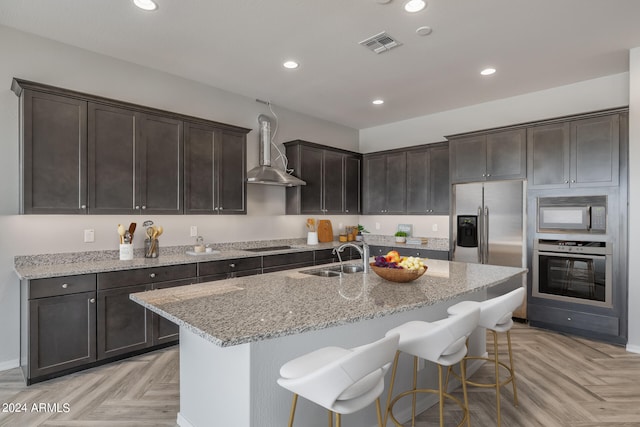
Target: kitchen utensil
[(157, 231), (325, 231), (132, 229), (121, 232)]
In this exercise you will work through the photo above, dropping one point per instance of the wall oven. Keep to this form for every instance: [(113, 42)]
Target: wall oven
[(573, 271)]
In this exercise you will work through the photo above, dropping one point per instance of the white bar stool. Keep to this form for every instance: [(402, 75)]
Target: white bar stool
[(442, 342), (495, 316), (341, 380)]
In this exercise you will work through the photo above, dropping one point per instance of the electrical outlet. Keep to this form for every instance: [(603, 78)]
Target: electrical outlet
[(377, 226), (89, 235), (434, 227), (194, 231), (340, 226)]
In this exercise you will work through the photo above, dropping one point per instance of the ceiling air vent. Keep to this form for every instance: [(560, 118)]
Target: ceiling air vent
[(380, 43)]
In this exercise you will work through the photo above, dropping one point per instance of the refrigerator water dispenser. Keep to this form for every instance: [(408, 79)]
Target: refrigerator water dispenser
[(468, 231)]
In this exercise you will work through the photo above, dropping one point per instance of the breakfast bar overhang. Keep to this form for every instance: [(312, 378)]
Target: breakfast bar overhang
[(236, 333)]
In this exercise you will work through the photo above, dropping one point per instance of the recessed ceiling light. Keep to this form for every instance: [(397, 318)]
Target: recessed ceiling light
[(377, 102), (413, 6), (488, 71), (291, 65), (146, 4)]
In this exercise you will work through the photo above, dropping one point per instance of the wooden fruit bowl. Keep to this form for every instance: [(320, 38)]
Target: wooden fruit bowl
[(398, 275)]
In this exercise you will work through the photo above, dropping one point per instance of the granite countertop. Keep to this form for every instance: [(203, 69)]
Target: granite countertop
[(67, 264), (247, 309)]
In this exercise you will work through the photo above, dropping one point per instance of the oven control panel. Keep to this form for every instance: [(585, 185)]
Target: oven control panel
[(573, 246)]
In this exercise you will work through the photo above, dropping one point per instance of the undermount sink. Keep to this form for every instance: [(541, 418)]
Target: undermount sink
[(335, 271)]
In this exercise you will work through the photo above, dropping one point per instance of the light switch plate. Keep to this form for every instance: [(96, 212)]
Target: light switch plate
[(89, 235), (434, 227), (193, 232)]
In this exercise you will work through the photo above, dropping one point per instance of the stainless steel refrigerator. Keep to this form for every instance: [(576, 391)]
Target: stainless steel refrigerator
[(488, 225)]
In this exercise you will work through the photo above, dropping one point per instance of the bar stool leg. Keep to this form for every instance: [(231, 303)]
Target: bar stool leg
[(463, 375), (393, 378), (441, 395), (497, 379), (293, 409), (330, 419), (512, 370), (338, 419), (415, 386), (379, 412)]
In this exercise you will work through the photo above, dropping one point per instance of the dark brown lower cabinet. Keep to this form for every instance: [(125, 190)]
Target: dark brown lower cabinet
[(164, 330), (124, 326), (62, 333)]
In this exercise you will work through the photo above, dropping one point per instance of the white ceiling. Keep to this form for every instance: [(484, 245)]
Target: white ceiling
[(239, 46)]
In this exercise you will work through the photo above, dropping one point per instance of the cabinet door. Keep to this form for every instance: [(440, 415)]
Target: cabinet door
[(62, 333), (123, 325), (159, 156), (199, 171), (439, 187), (164, 330), (54, 154), (419, 182), (595, 149), (396, 183), (548, 151), (352, 185), (231, 184), (333, 182), (506, 155), (375, 184), (311, 173), (112, 153), (468, 159)]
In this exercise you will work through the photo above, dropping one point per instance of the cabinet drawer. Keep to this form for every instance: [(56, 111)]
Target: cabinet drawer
[(287, 259), (229, 266), (423, 253), (574, 319), (325, 256), (42, 288), (117, 279)]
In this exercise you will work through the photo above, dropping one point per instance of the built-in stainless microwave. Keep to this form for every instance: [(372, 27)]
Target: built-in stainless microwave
[(583, 214)]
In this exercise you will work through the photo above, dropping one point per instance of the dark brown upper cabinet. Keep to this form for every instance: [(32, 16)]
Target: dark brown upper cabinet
[(385, 183), (53, 154), (579, 153), (428, 180), (489, 156), (215, 170), (82, 153), (332, 176), (135, 162)]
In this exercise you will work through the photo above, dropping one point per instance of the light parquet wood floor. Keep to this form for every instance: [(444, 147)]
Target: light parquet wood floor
[(563, 381)]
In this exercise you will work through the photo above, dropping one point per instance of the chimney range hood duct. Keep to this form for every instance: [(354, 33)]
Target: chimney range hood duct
[(265, 173)]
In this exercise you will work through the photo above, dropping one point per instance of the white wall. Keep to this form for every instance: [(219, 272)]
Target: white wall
[(41, 60), (634, 201), (597, 94)]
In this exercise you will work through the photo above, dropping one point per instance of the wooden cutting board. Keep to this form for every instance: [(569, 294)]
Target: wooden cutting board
[(325, 231)]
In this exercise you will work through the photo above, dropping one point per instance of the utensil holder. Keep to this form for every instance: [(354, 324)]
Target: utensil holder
[(126, 252), (151, 248), (312, 238)]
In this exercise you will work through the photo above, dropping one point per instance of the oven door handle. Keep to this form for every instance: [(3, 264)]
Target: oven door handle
[(570, 255)]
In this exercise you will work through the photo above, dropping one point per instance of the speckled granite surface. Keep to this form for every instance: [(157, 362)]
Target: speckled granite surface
[(247, 309), (65, 264)]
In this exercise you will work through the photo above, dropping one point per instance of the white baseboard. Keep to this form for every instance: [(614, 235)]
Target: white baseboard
[(633, 348), (9, 364)]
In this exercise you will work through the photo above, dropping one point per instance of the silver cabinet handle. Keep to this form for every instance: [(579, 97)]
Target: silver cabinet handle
[(144, 207), (65, 286), (566, 182), (83, 206), (137, 206), (221, 208), (573, 180), (232, 265), (92, 300), (152, 275)]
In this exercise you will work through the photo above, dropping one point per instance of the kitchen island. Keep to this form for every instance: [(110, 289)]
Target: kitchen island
[(235, 334)]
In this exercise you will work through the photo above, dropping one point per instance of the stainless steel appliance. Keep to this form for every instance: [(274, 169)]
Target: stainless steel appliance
[(585, 214), (573, 271), (488, 225)]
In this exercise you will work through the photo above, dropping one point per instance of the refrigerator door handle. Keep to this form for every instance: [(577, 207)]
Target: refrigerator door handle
[(485, 238), (480, 236)]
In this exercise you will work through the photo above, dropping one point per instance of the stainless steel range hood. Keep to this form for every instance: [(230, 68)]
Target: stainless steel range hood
[(265, 173)]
